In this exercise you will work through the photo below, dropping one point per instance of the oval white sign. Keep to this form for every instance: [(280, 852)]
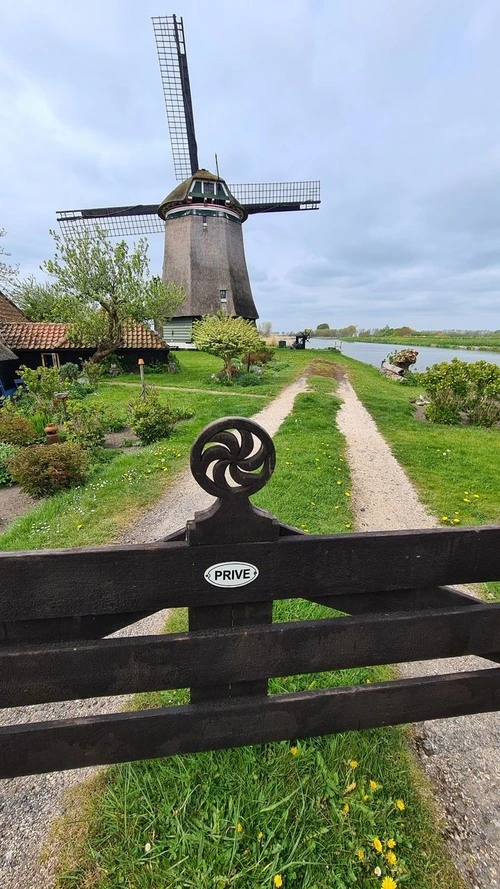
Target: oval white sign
[(231, 574)]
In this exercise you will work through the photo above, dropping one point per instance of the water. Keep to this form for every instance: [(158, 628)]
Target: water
[(374, 353)]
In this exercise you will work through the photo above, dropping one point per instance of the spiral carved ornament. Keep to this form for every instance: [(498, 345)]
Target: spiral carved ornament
[(233, 456)]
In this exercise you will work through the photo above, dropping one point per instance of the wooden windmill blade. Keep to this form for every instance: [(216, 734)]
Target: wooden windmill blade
[(276, 197), (117, 222), (171, 46)]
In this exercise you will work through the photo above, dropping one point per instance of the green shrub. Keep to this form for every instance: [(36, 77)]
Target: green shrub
[(248, 379), (85, 425), (44, 469), (259, 356), (16, 430), (69, 371), (42, 384), (460, 390), (7, 451), (93, 372), (157, 367), (79, 389), (113, 422), (152, 419)]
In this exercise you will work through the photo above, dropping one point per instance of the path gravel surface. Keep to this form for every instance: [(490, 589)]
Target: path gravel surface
[(29, 805), (460, 756)]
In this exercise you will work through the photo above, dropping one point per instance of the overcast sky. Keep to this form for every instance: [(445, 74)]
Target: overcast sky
[(393, 104)]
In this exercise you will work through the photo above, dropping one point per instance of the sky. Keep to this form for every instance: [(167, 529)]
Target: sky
[(393, 104)]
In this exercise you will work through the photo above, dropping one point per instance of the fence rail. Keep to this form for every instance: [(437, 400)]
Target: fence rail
[(55, 607)]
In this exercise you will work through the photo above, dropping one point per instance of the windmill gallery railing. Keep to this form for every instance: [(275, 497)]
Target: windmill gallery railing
[(227, 566)]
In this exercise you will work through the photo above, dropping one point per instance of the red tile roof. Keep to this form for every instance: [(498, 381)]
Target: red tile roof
[(49, 336)]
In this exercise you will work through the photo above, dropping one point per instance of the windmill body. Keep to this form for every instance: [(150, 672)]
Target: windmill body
[(204, 252), (202, 217)]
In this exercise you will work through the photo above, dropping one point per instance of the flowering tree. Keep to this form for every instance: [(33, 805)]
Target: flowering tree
[(100, 288), (226, 337)]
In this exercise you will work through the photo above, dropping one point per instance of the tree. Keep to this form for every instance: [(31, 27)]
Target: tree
[(44, 302), (404, 331), (265, 328), (104, 287), (226, 337), (8, 273), (323, 326)]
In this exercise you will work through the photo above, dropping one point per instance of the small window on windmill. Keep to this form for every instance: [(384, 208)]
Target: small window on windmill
[(209, 188), (223, 296), (221, 191)]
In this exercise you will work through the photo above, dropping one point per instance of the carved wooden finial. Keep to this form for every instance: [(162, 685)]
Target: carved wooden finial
[(233, 457)]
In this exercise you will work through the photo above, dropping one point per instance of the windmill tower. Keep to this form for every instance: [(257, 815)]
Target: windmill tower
[(202, 217)]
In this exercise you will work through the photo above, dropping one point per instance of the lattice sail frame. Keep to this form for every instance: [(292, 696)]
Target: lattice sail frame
[(171, 47), (142, 219)]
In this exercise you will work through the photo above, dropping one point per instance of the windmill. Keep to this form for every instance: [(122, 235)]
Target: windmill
[(202, 217)]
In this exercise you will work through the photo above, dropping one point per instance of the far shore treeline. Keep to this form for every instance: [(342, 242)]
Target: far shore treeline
[(485, 339)]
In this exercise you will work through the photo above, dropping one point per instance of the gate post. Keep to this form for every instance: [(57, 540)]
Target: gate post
[(232, 458)]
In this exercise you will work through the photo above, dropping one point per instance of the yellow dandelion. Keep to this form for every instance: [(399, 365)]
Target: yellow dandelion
[(345, 808), (239, 827), (400, 805), (456, 521), (79, 527), (374, 785), (366, 798), (294, 751), (360, 854), (278, 880), (347, 493), (353, 763), (377, 845), (466, 500), (260, 836), (391, 843), (391, 857), (350, 787), (389, 883), (444, 518)]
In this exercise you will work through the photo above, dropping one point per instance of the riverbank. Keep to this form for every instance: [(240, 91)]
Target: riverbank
[(473, 344), (454, 468)]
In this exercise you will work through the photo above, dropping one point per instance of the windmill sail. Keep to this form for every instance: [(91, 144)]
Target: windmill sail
[(142, 219), (169, 36), (274, 197), (118, 222)]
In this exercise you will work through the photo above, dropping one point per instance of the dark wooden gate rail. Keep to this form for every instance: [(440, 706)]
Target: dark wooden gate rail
[(55, 607)]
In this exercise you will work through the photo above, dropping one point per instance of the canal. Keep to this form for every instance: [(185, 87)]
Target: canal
[(374, 353)]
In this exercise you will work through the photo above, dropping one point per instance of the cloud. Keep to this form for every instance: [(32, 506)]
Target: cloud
[(392, 105)]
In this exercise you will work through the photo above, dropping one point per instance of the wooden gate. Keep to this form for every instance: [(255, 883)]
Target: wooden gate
[(227, 566)]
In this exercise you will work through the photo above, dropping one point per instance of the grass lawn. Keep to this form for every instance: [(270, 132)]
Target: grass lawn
[(318, 814), (116, 493), (197, 369), (455, 468)]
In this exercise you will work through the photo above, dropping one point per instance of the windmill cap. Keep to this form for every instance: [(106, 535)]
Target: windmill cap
[(180, 193)]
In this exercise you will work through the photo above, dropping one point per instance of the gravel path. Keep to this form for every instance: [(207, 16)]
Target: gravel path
[(460, 756), (28, 805)]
